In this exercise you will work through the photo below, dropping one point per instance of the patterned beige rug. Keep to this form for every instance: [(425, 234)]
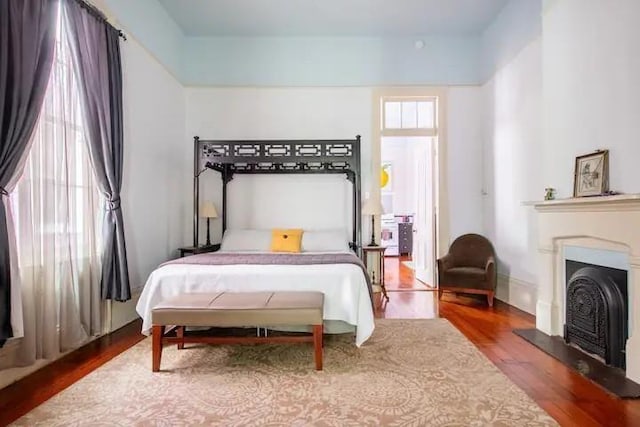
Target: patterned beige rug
[(411, 372)]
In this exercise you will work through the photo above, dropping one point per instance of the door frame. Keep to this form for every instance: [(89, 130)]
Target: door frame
[(441, 200)]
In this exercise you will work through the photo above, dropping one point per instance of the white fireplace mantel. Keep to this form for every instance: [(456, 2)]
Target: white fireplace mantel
[(586, 203), (603, 223)]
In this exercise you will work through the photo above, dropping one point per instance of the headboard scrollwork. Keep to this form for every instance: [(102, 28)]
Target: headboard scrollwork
[(278, 157)]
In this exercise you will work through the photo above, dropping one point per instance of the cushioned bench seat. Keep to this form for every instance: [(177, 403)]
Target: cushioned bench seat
[(238, 309)]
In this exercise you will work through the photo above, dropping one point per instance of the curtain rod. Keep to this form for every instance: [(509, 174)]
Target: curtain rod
[(97, 13)]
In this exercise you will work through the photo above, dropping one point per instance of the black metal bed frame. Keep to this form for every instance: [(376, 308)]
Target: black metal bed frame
[(327, 156)]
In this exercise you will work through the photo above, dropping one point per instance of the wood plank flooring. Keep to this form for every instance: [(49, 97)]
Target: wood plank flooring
[(571, 399), (567, 396), (20, 397)]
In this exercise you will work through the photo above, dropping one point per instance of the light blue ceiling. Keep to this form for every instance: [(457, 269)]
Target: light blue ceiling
[(329, 42), (333, 18)]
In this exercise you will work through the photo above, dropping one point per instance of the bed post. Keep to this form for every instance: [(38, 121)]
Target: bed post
[(357, 233), (196, 187), (227, 175)]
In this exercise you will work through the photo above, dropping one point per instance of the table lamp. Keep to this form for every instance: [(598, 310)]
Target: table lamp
[(208, 210), (372, 208)]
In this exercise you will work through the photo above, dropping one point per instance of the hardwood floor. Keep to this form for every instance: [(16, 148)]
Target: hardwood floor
[(570, 398), (20, 397), (399, 277), (567, 396)]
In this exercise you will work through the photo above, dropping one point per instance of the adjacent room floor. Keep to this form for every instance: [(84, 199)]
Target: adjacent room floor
[(400, 277), (570, 398)]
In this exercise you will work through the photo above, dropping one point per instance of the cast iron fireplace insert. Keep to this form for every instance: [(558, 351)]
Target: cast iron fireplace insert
[(597, 311)]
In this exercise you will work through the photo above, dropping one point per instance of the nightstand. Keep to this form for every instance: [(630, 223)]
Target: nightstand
[(378, 253), (193, 250)]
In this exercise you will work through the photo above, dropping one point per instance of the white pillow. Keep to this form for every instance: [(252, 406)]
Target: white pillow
[(246, 241), (325, 241)]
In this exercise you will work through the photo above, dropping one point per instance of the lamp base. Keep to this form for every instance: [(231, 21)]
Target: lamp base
[(373, 228), (208, 234)]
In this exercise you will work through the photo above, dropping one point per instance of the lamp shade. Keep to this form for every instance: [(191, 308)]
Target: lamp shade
[(208, 210), (372, 208)]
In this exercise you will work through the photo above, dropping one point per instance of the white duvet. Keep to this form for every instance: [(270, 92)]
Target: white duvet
[(346, 297)]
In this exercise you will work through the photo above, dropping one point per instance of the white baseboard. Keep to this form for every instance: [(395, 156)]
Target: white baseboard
[(8, 353), (12, 373), (543, 319), (118, 314), (518, 293), (121, 313)]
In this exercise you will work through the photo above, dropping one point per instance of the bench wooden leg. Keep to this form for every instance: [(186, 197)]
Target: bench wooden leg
[(156, 345), (180, 334), (317, 345)]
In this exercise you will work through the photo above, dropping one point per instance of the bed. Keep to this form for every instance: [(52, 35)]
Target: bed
[(336, 273), (328, 262)]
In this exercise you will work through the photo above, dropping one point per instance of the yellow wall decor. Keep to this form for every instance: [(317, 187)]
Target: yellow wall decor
[(384, 176)]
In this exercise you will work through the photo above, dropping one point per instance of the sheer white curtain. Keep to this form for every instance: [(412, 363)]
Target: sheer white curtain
[(57, 213)]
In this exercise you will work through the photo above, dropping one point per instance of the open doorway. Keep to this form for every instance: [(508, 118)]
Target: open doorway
[(406, 193), (410, 187)]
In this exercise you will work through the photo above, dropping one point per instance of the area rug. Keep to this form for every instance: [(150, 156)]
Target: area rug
[(411, 372)]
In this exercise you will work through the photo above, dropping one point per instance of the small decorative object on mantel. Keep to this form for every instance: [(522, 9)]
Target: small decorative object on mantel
[(591, 175), (549, 193)]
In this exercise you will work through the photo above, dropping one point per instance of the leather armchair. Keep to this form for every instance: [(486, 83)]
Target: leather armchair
[(469, 267)]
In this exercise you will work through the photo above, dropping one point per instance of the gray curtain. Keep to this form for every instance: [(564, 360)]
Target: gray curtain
[(96, 52), (27, 40)]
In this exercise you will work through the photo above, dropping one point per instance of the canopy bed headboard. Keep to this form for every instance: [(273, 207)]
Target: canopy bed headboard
[(337, 156)]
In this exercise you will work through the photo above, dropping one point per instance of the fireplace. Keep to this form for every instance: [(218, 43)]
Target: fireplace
[(610, 224), (597, 311)]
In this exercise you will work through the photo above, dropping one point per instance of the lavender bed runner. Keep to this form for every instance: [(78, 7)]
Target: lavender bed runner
[(228, 258)]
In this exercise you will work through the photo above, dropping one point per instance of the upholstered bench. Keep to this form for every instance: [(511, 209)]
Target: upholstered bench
[(237, 309)]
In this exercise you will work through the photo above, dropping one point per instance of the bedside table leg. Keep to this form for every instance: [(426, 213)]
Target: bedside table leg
[(382, 285), (384, 292)]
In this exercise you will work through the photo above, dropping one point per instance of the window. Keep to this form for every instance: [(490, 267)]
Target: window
[(57, 214), (56, 206), (409, 113)]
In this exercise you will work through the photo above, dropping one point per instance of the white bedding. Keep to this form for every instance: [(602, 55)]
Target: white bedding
[(344, 287)]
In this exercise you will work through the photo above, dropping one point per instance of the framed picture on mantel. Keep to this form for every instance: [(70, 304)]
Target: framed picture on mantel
[(591, 176)]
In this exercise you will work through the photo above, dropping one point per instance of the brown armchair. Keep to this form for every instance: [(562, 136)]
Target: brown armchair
[(469, 267)]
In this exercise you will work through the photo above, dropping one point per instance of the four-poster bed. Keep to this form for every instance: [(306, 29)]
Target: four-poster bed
[(337, 156), (246, 264)]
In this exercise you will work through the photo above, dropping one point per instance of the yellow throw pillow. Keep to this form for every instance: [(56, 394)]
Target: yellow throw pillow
[(286, 240)]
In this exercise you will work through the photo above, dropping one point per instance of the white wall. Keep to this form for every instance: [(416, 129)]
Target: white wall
[(400, 152), (512, 164), (569, 92), (341, 112), (591, 64), (464, 146), (155, 182), (276, 113)]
